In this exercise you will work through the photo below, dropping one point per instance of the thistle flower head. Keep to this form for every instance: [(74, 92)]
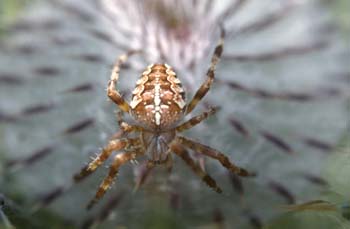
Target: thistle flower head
[(179, 33)]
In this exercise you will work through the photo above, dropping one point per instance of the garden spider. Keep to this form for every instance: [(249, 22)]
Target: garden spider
[(158, 104)]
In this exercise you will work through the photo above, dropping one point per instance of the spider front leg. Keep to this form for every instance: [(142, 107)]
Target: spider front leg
[(183, 154), (204, 88), (222, 158), (112, 92), (119, 160), (113, 145)]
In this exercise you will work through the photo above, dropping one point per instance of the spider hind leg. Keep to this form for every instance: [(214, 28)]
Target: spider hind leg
[(222, 158), (183, 154)]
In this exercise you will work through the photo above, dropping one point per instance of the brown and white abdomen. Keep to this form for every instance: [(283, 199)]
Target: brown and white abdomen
[(158, 99)]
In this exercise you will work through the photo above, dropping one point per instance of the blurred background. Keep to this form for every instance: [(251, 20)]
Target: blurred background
[(282, 85)]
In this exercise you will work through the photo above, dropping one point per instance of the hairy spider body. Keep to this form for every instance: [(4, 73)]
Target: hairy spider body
[(158, 105)]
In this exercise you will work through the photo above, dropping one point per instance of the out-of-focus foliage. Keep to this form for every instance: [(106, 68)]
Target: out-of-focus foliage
[(10, 10), (335, 211), (332, 210), (341, 13)]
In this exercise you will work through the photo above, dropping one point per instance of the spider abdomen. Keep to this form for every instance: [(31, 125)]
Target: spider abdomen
[(158, 99)]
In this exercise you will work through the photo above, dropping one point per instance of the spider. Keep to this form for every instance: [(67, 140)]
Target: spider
[(158, 106)]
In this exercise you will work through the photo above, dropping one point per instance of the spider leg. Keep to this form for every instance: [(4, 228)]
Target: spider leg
[(124, 126), (183, 154), (204, 88), (195, 120), (119, 160), (206, 150), (169, 163), (113, 145), (112, 92), (141, 178)]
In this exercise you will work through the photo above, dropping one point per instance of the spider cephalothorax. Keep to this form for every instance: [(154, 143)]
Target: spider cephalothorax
[(158, 105)]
